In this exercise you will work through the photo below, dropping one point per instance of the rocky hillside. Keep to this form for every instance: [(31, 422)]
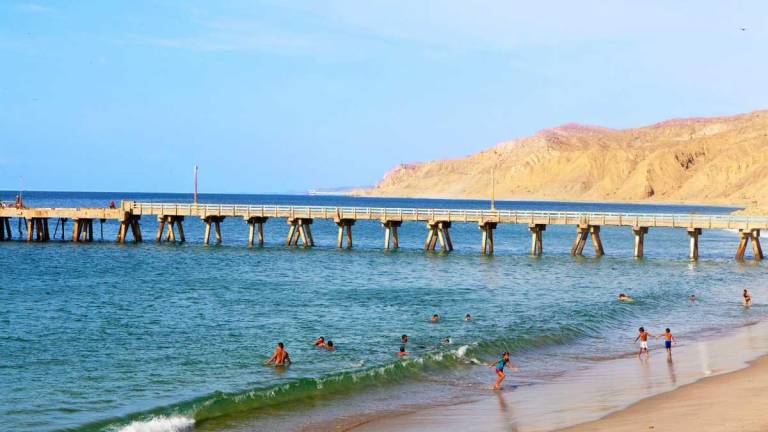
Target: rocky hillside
[(698, 160)]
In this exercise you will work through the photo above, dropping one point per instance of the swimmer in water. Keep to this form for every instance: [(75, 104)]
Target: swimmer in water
[(279, 357), (402, 352), (435, 318), (625, 298), (404, 339), (329, 346), (467, 317), (747, 298), (447, 341), (320, 342), (692, 298), (499, 365)]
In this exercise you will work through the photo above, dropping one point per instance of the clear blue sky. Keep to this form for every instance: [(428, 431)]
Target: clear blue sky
[(285, 96)]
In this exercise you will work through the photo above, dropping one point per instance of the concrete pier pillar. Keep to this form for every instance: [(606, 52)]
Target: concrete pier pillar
[(594, 231), (582, 233), (390, 233), (345, 232), (5, 229), (639, 234), (745, 236), (216, 222), (486, 243), (693, 248), (438, 231), (300, 230), (537, 238), (255, 224)]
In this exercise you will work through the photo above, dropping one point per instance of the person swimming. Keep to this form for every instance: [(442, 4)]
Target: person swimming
[(435, 318), (692, 298), (280, 357), (404, 339), (320, 342), (402, 352), (499, 365), (467, 317), (447, 341), (747, 298), (625, 298), (329, 346)]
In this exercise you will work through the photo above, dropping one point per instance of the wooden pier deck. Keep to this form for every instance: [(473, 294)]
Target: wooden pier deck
[(171, 216)]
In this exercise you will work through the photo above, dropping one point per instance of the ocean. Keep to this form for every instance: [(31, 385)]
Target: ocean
[(158, 336)]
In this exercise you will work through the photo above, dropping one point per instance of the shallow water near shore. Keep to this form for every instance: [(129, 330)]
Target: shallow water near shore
[(166, 337)]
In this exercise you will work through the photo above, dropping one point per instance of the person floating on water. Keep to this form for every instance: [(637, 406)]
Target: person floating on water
[(643, 337), (499, 365), (435, 318), (280, 357), (404, 339), (625, 298), (402, 352), (329, 346), (320, 342), (668, 339), (692, 298), (747, 298), (447, 341), (467, 317)]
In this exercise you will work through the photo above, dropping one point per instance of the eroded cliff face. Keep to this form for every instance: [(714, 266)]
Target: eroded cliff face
[(713, 160)]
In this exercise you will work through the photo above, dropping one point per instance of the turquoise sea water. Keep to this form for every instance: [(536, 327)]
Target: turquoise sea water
[(102, 336)]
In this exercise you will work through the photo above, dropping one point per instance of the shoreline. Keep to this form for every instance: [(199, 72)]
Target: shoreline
[(613, 395), (731, 401)]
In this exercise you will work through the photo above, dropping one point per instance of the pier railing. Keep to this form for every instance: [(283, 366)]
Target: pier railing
[(452, 215)]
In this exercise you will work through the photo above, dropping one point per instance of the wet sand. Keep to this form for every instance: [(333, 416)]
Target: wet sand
[(607, 394)]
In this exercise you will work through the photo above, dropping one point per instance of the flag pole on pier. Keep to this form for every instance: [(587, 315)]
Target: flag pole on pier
[(195, 196)]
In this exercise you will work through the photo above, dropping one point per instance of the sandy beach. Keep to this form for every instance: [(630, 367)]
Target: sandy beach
[(715, 384), (731, 402)]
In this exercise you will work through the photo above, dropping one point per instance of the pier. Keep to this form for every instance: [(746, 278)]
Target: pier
[(438, 222)]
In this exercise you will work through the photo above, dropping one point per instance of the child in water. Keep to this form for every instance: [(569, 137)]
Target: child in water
[(747, 298), (668, 339), (320, 342), (467, 317), (643, 338), (435, 318), (280, 357), (402, 352), (625, 298), (499, 365), (404, 339), (329, 346)]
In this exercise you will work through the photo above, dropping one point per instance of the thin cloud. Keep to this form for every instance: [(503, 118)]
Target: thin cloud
[(34, 8)]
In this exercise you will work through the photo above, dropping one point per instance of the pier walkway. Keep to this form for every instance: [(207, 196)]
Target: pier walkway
[(171, 217)]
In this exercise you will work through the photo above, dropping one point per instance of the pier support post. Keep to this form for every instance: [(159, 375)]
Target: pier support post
[(300, 230), (5, 228), (216, 221), (594, 231), (345, 227), (693, 248), (255, 223), (438, 231), (82, 231), (537, 241), (744, 238), (131, 222), (172, 222), (582, 233), (486, 244), (390, 233), (639, 234)]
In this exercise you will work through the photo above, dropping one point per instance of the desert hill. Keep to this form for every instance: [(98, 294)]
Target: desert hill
[(698, 160)]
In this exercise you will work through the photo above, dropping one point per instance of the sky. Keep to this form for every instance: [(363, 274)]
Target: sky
[(281, 97)]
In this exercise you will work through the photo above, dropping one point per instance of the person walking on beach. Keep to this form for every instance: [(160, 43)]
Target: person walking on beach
[(499, 365), (643, 338), (668, 339), (747, 298), (279, 357)]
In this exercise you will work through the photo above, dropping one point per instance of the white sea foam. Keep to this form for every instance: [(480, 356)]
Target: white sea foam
[(161, 424)]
